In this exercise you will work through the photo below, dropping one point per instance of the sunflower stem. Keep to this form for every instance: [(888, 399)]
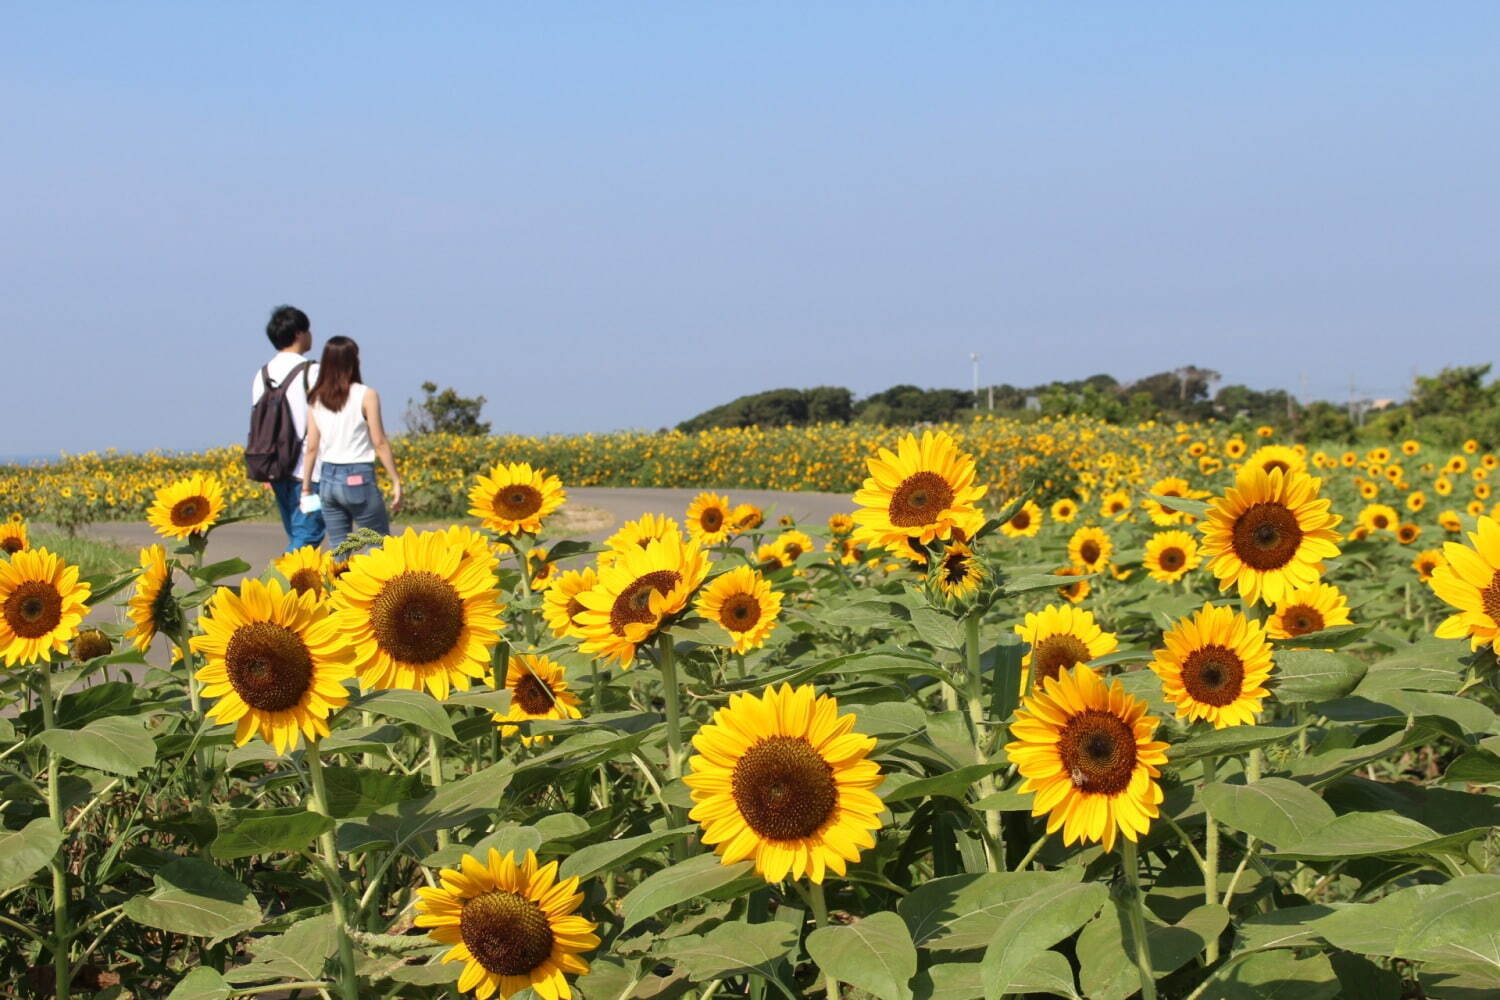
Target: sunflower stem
[(667, 661), (986, 786), (62, 928), (1130, 866), (819, 904), (1210, 861), (348, 980), (435, 773)]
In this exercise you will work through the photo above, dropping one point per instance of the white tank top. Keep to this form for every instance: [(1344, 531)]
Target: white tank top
[(345, 435)]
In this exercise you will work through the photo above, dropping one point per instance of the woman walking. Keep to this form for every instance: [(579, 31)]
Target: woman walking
[(346, 432)]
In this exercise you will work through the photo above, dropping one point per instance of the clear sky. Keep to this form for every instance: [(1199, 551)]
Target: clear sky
[(615, 215)]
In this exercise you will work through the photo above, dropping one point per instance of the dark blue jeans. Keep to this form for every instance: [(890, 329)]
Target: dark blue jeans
[(301, 529), (346, 506)]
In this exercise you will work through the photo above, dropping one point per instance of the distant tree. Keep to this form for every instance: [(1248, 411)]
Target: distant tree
[(1181, 391), (1453, 390), (445, 412), (777, 408), (1323, 421), (909, 404), (1242, 402)]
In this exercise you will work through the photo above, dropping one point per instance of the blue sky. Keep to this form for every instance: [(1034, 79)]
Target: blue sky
[(616, 215)]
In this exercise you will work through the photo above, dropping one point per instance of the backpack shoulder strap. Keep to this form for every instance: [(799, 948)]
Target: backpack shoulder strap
[(265, 377)]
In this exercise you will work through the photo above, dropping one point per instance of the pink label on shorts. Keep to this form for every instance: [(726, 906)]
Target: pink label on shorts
[(355, 480)]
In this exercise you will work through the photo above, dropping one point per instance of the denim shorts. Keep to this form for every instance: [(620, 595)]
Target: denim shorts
[(347, 505)]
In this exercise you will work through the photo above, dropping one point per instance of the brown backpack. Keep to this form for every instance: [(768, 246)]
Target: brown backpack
[(274, 444)]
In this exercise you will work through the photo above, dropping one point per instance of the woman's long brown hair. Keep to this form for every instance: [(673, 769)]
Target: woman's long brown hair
[(337, 371)]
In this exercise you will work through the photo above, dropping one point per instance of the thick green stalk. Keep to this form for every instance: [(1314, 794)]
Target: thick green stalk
[(435, 772), (820, 913), (1129, 864), (1210, 861), (986, 784), (667, 660), (348, 978), (62, 926)]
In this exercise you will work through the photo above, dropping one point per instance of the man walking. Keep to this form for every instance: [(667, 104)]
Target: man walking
[(290, 333)]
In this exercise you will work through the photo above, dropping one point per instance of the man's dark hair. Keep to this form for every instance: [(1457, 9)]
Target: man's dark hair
[(286, 323)]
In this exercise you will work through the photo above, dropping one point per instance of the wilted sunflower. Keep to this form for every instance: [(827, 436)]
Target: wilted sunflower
[(923, 491), (1426, 562), (708, 518), (1269, 534), (747, 517), (1086, 751), (1061, 637), (419, 614), (742, 602), (638, 534), (513, 925), (91, 643), (275, 661), (514, 498), (1378, 517), (560, 604), (537, 691), (1469, 580), (12, 537), (188, 506), (783, 779), (1171, 555), (152, 608), (1215, 666), (958, 572), (42, 604), (1024, 523), (839, 525), (1073, 592), (1317, 607), (635, 593), (308, 570), (1277, 456), (1090, 549)]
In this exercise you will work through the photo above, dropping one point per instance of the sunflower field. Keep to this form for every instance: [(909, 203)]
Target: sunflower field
[(1060, 710)]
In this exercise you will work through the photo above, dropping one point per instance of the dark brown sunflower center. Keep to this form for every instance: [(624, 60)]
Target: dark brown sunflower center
[(269, 666), (919, 499), (792, 551), (574, 608), (1266, 536), (740, 613), (1490, 597), (955, 567), (189, 512), (534, 696), (712, 519), (1022, 520), (1300, 619), (633, 606), (33, 609), (417, 617), (11, 544), (506, 933), (1272, 464), (307, 581), (1057, 653), (1213, 675), (784, 788), (517, 501), (1172, 559), (1098, 751), (1089, 551), (89, 644)]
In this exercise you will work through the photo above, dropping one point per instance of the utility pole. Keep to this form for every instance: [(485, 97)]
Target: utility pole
[(975, 358)]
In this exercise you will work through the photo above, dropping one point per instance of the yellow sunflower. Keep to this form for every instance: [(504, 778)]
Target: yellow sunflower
[(1469, 580), (1061, 637), (1024, 523), (1451, 522), (1317, 607), (742, 602), (513, 925), (514, 498), (958, 572), (42, 604), (12, 537), (1064, 510), (1426, 562), (1269, 534), (923, 491), (747, 517), (1277, 456), (1115, 505), (188, 506), (1378, 517), (1090, 549), (1086, 750), (560, 604), (274, 661), (152, 608), (783, 779), (637, 534), (839, 525), (1172, 486), (849, 553), (791, 545), (708, 518), (1171, 555), (636, 593), (476, 547), (1215, 667), (1074, 592), (308, 570), (537, 691), (1407, 533), (419, 613)]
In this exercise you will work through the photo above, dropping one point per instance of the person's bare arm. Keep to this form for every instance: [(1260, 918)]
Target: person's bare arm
[(382, 445), (310, 453)]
